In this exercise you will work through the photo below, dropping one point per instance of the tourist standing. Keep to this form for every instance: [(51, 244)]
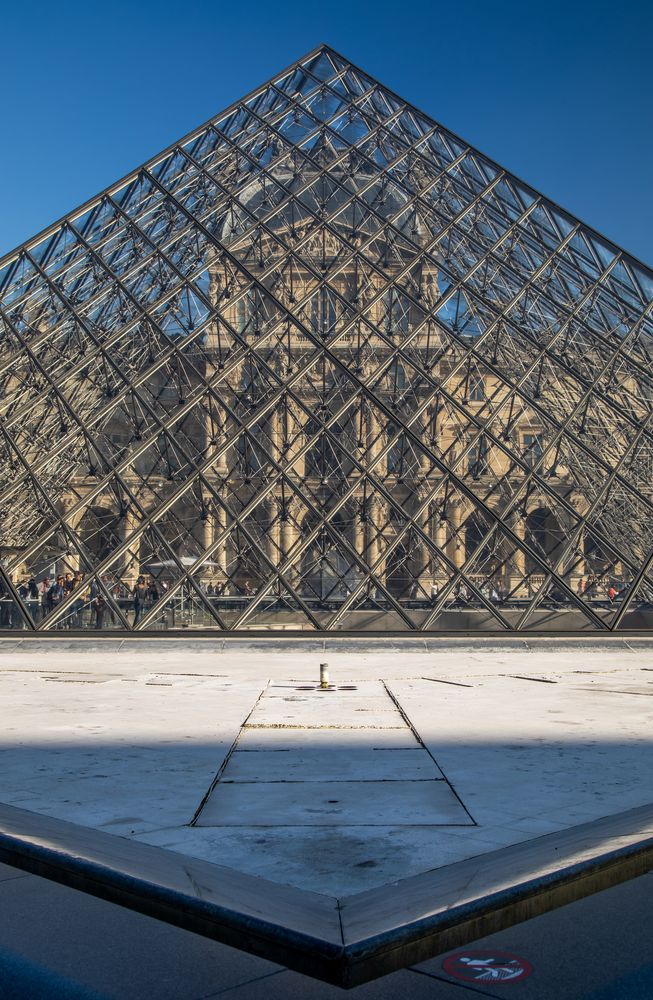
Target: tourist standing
[(140, 594), (56, 594), (98, 603)]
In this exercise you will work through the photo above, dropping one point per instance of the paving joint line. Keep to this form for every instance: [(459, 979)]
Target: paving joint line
[(213, 785), (415, 733), (451, 982)]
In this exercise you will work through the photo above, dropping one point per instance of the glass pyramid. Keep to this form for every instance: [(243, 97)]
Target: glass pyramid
[(323, 366)]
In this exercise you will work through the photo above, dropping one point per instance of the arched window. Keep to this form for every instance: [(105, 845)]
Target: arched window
[(328, 573), (399, 579), (253, 383), (99, 530), (533, 447), (477, 458), (598, 559), (545, 536), (475, 532)]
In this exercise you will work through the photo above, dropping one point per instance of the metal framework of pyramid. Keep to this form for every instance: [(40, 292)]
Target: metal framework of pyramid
[(321, 365)]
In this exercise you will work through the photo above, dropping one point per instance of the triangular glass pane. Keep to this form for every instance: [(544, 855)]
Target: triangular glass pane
[(552, 611), (638, 601), (322, 65)]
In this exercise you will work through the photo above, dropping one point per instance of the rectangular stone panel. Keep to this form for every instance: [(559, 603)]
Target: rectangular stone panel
[(337, 803), (326, 709), (331, 764), (398, 737)]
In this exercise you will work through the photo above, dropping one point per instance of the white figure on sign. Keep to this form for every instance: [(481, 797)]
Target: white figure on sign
[(489, 972)]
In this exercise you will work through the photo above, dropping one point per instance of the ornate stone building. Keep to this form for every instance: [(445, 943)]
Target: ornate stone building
[(321, 365)]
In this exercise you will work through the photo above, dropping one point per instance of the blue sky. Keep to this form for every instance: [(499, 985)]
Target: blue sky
[(558, 93)]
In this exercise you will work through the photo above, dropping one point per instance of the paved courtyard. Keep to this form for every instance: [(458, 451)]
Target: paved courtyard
[(420, 754)]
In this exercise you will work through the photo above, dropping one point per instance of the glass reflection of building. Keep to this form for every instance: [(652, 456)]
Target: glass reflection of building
[(323, 366)]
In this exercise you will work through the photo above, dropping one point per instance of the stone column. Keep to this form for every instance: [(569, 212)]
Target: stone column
[(421, 426), (440, 532), (441, 574), (222, 463), (581, 568), (128, 570), (374, 442), (71, 563), (519, 557), (297, 416), (457, 552), (207, 528), (207, 532), (273, 541), (215, 432), (220, 555), (275, 434), (289, 535), (375, 544), (359, 534), (422, 551)]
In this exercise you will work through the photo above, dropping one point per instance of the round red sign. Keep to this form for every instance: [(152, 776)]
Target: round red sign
[(486, 967)]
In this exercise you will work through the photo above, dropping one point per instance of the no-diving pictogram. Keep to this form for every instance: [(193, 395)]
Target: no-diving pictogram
[(486, 967)]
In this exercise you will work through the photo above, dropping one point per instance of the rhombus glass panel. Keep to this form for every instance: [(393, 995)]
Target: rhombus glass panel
[(322, 366)]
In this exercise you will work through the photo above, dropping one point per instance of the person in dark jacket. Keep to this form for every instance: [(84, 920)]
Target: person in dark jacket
[(6, 605), (56, 594), (98, 603), (78, 606), (141, 594)]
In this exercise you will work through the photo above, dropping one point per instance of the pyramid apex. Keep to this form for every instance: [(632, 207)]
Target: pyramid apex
[(325, 47)]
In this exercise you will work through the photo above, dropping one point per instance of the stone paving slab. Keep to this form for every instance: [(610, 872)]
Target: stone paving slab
[(324, 711), (397, 737), (327, 859), (360, 787), (333, 803), (328, 764)]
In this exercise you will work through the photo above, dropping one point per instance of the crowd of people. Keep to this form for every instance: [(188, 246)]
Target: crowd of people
[(592, 588), (92, 609)]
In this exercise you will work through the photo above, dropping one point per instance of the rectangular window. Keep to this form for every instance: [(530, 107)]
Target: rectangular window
[(477, 458), (243, 314), (323, 313), (476, 391), (533, 447)]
